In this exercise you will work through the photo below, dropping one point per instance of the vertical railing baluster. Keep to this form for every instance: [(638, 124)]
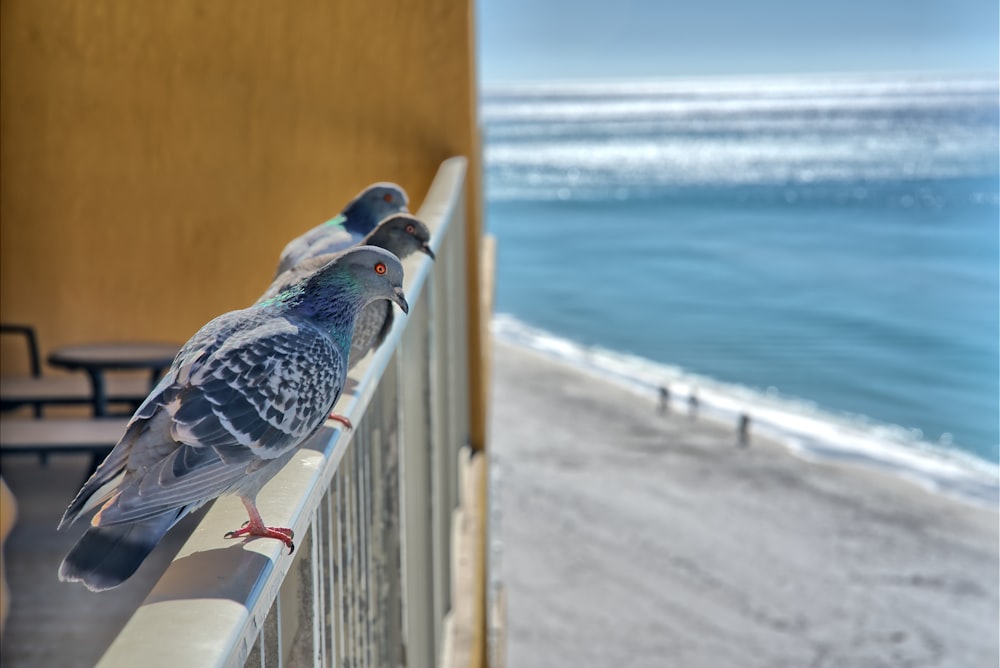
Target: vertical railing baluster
[(366, 538), (362, 611), (377, 608), (281, 634), (422, 616), (359, 562), (356, 617), (380, 609), (316, 583), (370, 620), (348, 559), (362, 550), (341, 561), (391, 489), (333, 567)]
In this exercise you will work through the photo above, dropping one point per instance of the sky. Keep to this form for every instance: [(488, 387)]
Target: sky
[(540, 40)]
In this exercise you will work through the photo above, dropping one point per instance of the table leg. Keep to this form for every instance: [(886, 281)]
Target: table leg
[(155, 377), (100, 392), (100, 400)]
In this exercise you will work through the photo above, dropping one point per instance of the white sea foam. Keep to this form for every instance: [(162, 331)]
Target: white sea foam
[(807, 430)]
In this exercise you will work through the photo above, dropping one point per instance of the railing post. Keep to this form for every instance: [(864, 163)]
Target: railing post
[(418, 552)]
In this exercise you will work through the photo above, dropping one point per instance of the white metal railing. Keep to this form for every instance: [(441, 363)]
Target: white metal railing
[(369, 582)]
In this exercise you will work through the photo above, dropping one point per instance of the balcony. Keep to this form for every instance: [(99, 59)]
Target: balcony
[(388, 568)]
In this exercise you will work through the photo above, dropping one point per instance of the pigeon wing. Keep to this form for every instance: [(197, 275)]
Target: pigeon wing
[(330, 234), (253, 401), (265, 390)]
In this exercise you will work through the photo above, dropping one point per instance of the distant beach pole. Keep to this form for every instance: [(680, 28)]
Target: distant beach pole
[(744, 430), (664, 400)]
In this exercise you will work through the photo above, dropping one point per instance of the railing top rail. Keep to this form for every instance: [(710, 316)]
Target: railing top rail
[(211, 603)]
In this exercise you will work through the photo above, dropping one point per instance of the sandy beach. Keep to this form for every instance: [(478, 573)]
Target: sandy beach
[(627, 538)]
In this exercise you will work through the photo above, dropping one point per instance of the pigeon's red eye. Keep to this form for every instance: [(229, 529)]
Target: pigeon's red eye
[(387, 197), (410, 229), (380, 269)]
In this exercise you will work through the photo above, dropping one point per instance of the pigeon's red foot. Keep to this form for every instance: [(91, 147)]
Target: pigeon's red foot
[(255, 526), (342, 420), (249, 530)]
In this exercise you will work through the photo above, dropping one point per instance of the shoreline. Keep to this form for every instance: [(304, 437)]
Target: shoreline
[(814, 435), (626, 536)]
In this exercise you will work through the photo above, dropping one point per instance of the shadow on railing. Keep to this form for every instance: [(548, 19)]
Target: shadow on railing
[(370, 580)]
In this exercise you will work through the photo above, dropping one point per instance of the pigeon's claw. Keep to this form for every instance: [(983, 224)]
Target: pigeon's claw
[(281, 533), (255, 527), (342, 419)]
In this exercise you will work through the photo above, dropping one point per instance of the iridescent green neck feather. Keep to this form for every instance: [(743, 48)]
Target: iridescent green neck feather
[(332, 300)]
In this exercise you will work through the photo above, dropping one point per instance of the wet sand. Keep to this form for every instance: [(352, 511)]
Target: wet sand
[(627, 538)]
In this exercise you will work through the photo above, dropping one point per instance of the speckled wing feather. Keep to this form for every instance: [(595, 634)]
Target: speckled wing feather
[(231, 403), (267, 388), (370, 329)]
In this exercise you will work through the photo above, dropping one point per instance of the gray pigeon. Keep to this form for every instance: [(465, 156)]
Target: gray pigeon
[(238, 401), (400, 234), (358, 218)]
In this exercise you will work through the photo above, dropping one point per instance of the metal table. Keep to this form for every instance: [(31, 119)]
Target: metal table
[(98, 358)]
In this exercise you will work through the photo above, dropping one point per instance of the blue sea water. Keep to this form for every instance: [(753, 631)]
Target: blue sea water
[(822, 253)]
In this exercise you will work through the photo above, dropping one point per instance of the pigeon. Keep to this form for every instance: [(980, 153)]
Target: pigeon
[(357, 219), (400, 234), (240, 398)]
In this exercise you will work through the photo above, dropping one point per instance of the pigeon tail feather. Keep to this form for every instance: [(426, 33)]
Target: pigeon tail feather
[(107, 556)]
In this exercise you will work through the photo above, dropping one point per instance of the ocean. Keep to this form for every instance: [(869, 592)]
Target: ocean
[(819, 253)]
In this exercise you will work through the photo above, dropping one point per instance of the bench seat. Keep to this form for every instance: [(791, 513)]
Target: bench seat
[(18, 391), (52, 435)]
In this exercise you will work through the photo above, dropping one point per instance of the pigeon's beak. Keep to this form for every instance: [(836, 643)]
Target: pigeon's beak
[(424, 248), (400, 299)]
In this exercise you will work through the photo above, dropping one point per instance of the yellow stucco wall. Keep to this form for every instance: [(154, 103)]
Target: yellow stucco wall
[(156, 156)]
